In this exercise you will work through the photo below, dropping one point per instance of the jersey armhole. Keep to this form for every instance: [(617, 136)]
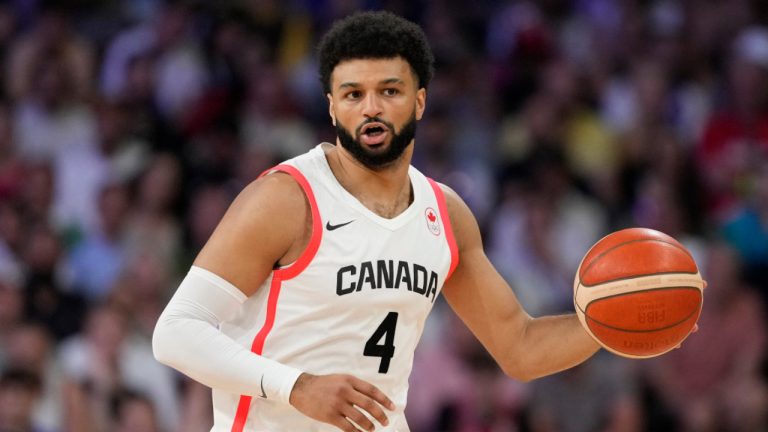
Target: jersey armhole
[(294, 269), (442, 207)]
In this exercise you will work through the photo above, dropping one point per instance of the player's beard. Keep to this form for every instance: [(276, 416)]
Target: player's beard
[(397, 143)]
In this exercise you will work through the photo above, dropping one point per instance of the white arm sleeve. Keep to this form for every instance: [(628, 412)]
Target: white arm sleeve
[(187, 338)]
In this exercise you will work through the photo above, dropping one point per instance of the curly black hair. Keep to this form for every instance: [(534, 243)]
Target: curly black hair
[(375, 35)]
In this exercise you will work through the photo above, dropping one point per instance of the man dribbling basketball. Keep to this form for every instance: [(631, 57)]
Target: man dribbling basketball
[(304, 308)]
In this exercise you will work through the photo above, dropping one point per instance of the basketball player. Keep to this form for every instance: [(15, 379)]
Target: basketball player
[(304, 308)]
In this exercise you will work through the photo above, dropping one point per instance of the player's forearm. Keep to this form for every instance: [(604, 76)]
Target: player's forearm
[(186, 338), (548, 345), (201, 352)]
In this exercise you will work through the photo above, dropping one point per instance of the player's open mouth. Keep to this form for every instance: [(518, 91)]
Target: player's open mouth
[(373, 134)]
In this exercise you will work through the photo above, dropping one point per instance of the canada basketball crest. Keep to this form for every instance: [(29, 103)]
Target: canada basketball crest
[(433, 223)]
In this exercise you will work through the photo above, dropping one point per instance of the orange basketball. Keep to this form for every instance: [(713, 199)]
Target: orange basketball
[(638, 292)]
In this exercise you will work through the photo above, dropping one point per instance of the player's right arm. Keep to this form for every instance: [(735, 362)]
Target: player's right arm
[(268, 224)]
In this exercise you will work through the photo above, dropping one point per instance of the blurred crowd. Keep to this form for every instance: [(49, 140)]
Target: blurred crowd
[(128, 126)]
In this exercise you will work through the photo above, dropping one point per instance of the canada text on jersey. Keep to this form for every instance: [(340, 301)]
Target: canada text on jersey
[(387, 274)]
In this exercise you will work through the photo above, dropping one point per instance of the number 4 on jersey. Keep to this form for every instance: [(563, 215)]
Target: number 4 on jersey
[(386, 350)]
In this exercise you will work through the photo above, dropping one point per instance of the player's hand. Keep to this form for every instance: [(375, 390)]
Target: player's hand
[(695, 326), (337, 399)]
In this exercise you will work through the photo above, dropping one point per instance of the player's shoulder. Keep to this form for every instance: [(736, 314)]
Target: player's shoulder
[(282, 184), (278, 187), (463, 222), (456, 206), (276, 196), (270, 213)]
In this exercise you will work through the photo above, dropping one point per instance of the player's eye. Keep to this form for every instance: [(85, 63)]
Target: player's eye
[(355, 94), (391, 91)]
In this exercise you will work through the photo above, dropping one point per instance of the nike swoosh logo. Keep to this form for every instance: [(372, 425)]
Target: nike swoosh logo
[(262, 395), (330, 227)]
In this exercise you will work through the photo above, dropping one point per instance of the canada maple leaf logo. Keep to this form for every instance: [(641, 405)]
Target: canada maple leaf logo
[(432, 224)]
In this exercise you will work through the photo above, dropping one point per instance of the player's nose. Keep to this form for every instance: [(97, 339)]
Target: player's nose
[(372, 106)]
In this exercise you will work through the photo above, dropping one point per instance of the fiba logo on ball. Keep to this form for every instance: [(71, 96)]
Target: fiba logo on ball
[(432, 221)]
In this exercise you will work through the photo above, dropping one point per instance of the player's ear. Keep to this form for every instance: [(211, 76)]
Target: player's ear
[(331, 110), (421, 102)]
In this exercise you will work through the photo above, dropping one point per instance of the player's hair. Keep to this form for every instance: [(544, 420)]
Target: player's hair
[(375, 35)]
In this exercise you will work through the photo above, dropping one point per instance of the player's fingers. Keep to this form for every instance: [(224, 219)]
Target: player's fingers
[(358, 417), (370, 406), (373, 392), (345, 425), (693, 330)]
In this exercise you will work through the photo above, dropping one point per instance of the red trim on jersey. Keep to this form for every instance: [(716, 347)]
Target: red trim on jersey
[(278, 276), (244, 404), (297, 267), (443, 209)]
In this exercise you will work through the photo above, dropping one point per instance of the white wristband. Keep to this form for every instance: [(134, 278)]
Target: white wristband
[(187, 338)]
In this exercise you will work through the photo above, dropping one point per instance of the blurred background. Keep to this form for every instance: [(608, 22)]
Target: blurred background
[(127, 127)]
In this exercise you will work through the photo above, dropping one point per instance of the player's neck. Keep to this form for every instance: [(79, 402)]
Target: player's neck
[(386, 192)]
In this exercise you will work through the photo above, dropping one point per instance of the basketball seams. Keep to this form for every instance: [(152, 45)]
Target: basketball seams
[(639, 276), (661, 288), (630, 290), (635, 284), (602, 254), (587, 316)]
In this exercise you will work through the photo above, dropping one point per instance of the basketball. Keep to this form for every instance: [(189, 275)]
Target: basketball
[(638, 292)]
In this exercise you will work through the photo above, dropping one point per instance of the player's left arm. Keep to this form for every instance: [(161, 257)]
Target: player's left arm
[(524, 347)]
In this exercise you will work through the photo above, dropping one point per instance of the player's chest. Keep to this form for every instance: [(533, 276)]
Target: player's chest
[(359, 261)]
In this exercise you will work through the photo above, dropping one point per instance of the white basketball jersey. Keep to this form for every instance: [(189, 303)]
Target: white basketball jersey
[(355, 302)]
